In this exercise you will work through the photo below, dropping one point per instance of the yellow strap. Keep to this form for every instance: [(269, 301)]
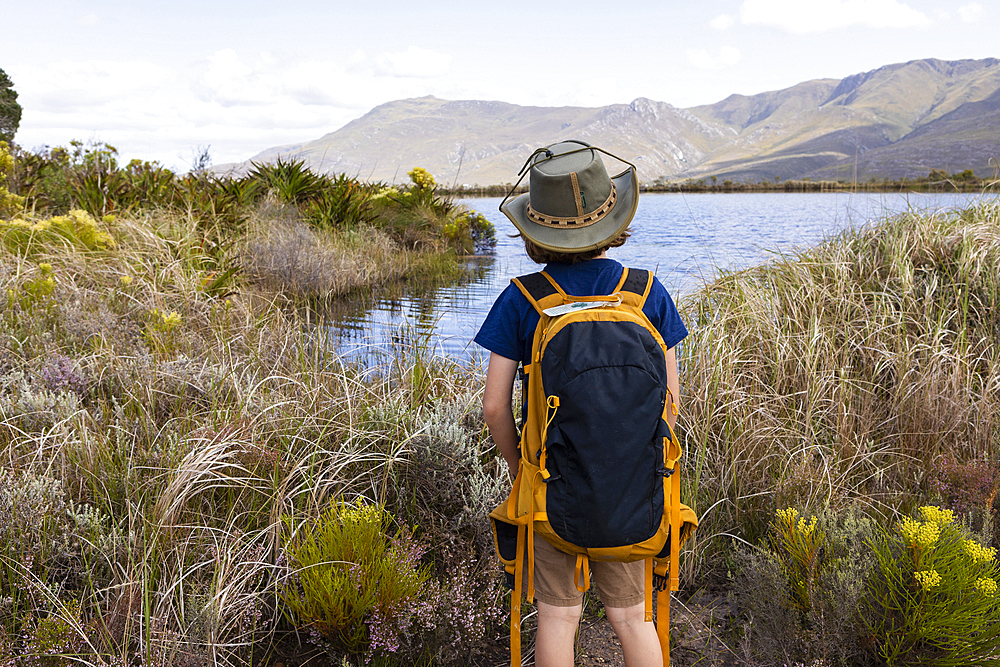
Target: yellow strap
[(675, 528), (512, 502), (663, 624), (515, 602), (530, 593), (582, 567), (649, 591)]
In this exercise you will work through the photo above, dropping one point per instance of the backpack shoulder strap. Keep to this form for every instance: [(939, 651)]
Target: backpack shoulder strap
[(636, 282), (540, 290)]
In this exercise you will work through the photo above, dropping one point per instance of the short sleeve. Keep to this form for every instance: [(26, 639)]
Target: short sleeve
[(501, 331), (662, 312)]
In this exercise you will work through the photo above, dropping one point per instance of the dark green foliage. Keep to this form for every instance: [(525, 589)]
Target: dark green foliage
[(343, 202), (10, 110), (291, 182)]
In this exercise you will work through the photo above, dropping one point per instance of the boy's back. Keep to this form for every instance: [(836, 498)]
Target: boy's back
[(573, 213)]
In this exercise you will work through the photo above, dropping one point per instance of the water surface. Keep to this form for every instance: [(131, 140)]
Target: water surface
[(683, 238)]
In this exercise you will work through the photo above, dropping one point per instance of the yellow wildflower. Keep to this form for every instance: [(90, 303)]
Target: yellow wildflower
[(919, 535), (806, 529), (986, 586), (928, 579), (125, 280), (788, 515), (170, 320), (421, 178), (933, 514), (978, 552), (909, 529), (45, 267), (928, 534)]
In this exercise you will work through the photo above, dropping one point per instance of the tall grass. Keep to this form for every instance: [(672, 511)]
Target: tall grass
[(170, 413), (843, 374), (161, 432)]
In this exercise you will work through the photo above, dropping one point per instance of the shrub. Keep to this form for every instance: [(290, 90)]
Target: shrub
[(966, 488), (77, 229), (932, 599), (350, 582), (9, 203), (799, 592), (291, 181), (343, 202)]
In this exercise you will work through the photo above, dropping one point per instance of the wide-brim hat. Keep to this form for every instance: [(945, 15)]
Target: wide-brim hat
[(572, 205)]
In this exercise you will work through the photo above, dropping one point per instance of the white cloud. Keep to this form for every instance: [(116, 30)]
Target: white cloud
[(722, 22), (414, 62), (971, 12), (800, 17), (88, 21), (239, 103), (702, 59)]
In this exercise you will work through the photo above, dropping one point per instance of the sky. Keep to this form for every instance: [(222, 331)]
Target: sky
[(166, 81)]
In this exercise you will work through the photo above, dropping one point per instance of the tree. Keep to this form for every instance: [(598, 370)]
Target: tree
[(10, 110)]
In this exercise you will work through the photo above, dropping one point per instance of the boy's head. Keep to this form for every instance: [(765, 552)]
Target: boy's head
[(573, 210)]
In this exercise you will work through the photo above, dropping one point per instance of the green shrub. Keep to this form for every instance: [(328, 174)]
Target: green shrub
[(932, 599), (799, 592), (344, 202), (351, 582), (290, 181), (470, 232)]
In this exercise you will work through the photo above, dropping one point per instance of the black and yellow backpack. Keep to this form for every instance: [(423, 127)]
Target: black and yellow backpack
[(598, 475)]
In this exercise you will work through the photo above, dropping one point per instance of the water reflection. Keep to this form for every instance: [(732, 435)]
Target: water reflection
[(684, 238)]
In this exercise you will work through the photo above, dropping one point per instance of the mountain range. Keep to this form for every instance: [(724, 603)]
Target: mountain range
[(897, 121)]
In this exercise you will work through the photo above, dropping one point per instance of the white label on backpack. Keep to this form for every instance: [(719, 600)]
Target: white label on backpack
[(555, 311)]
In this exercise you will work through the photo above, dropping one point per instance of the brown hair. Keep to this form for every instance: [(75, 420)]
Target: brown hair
[(541, 255)]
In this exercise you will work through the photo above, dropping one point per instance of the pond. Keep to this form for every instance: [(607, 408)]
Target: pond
[(684, 238)]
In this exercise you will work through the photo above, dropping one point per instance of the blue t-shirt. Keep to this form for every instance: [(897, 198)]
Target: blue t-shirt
[(510, 326)]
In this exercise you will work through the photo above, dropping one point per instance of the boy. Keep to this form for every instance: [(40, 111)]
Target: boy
[(571, 215)]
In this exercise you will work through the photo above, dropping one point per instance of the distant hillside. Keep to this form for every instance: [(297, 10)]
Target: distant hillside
[(899, 120)]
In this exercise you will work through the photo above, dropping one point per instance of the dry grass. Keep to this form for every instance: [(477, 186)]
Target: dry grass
[(161, 432), (843, 373)]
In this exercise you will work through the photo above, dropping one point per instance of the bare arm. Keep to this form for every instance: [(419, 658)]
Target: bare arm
[(674, 385), (499, 416)]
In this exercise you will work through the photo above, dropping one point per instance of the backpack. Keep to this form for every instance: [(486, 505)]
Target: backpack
[(598, 474)]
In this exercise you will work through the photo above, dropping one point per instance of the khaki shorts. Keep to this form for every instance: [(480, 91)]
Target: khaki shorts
[(619, 584)]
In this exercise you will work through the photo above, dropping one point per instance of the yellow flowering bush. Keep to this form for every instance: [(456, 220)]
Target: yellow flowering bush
[(160, 330), (928, 579), (421, 178), (798, 545), (10, 203), (931, 598), (77, 228)]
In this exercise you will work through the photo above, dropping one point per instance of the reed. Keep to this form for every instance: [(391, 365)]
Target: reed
[(842, 374)]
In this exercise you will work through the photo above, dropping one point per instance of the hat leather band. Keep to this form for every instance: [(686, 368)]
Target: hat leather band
[(577, 220)]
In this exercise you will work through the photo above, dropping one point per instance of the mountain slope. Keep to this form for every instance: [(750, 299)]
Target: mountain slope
[(899, 120)]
